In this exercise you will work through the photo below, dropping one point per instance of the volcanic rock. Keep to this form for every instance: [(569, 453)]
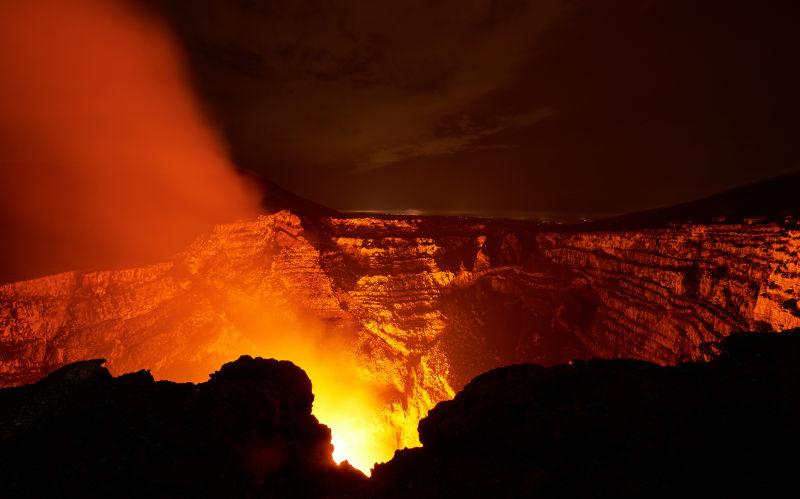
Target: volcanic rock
[(598, 428), (615, 428), (247, 432)]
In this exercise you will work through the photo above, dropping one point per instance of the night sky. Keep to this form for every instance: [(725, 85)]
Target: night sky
[(571, 108), (123, 122)]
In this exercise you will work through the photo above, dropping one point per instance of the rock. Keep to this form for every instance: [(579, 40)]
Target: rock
[(597, 428), (247, 432), (614, 428)]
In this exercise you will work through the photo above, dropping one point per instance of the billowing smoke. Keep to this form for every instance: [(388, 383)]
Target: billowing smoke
[(106, 159)]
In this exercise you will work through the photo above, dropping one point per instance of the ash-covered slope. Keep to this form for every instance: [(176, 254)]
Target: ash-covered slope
[(247, 432), (423, 304), (615, 428)]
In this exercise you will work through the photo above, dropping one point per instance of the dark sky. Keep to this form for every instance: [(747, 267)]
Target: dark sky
[(581, 107)]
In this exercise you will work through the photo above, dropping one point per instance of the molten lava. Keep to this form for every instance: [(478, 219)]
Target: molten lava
[(365, 427), (363, 432)]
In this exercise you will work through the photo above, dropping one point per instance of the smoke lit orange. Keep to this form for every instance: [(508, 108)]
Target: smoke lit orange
[(104, 151), (111, 162)]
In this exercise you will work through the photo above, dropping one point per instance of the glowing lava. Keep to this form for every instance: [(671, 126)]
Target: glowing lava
[(358, 436), (366, 427), (361, 431)]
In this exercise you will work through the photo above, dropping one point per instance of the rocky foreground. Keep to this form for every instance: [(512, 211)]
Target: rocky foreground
[(247, 432), (615, 428), (598, 428)]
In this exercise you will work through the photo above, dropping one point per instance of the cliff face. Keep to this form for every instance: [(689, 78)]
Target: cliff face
[(178, 318), (663, 292), (413, 307)]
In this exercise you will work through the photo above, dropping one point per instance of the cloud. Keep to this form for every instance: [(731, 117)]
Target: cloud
[(306, 91), (106, 158), (358, 84), (466, 137)]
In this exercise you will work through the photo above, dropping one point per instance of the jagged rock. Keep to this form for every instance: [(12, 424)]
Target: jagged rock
[(597, 428), (246, 432), (615, 428)]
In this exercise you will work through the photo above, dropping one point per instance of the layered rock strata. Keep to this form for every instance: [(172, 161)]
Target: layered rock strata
[(664, 292), (421, 304)]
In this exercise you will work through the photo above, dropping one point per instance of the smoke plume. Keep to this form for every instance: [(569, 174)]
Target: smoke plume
[(106, 159)]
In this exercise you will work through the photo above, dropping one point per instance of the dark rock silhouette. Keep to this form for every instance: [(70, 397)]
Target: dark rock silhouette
[(727, 427), (615, 428), (771, 199), (246, 432)]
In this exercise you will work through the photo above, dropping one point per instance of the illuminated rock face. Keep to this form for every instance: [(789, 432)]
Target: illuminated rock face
[(437, 301), (420, 305), (177, 318), (661, 293)]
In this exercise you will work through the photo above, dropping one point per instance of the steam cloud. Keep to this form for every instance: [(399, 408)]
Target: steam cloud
[(106, 161), (105, 156)]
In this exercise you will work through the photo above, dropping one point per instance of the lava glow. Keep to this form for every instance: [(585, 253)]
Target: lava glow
[(361, 431), (364, 428), (105, 152), (110, 162)]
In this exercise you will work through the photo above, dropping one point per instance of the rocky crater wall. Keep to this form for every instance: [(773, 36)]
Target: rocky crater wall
[(423, 304)]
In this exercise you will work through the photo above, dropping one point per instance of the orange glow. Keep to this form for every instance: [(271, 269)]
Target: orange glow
[(365, 427), (105, 154), (360, 427), (110, 161), (346, 397)]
